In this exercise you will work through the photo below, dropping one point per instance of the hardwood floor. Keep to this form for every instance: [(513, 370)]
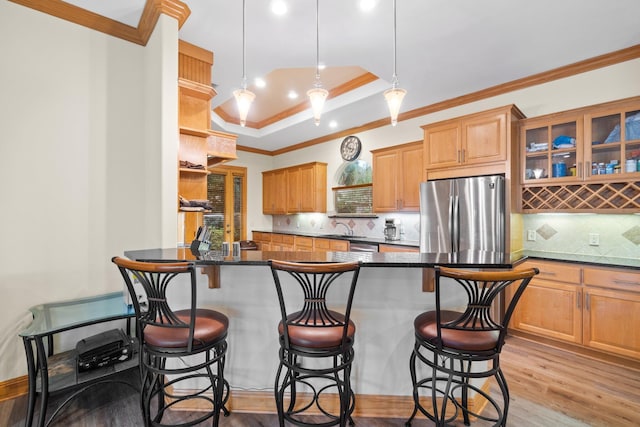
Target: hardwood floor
[(549, 388)]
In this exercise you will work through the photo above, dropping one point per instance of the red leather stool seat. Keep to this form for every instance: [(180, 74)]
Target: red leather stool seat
[(466, 340), (210, 326)]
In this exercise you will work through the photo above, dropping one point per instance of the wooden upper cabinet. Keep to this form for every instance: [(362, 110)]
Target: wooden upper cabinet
[(397, 172), (442, 144), (274, 185), (293, 190), (457, 146), (301, 188), (484, 138), (313, 187)]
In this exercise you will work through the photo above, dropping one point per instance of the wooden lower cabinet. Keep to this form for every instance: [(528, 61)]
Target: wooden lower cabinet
[(330, 245), (304, 244), (596, 308), (282, 242), (551, 309), (611, 318), (289, 242)]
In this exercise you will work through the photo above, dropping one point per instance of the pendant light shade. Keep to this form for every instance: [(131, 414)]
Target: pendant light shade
[(395, 95), (244, 97), (318, 94)]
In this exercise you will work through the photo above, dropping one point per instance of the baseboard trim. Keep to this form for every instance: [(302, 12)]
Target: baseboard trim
[(13, 388), (367, 405)]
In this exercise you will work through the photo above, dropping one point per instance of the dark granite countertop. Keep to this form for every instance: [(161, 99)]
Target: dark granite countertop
[(598, 261), (467, 259), (358, 239)]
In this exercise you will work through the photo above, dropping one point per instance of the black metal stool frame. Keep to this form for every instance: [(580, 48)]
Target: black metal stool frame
[(155, 279), (452, 365), (315, 281)]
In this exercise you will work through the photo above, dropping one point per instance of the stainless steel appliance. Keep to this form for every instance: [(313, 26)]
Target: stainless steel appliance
[(463, 214), (391, 229), (362, 247)]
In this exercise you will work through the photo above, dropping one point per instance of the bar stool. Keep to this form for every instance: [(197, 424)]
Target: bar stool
[(176, 346), (462, 346), (316, 341)]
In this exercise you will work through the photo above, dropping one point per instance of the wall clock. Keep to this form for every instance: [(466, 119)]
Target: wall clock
[(350, 148)]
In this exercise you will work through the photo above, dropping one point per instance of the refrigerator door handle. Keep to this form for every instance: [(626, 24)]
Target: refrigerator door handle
[(454, 223)]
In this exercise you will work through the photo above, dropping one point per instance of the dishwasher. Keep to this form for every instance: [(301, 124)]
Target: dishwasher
[(363, 247)]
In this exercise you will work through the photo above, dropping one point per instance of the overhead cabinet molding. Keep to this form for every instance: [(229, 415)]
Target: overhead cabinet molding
[(296, 189)]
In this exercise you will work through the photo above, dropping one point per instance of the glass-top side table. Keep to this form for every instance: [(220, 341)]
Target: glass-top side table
[(59, 371)]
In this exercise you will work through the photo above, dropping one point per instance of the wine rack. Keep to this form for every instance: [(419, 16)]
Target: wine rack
[(609, 197)]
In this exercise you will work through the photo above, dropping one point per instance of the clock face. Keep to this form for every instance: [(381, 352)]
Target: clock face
[(350, 148)]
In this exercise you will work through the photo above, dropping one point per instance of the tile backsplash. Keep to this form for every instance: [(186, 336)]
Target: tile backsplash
[(369, 227), (585, 234)]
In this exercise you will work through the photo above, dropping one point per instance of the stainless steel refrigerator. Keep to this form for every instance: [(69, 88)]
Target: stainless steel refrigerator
[(463, 214)]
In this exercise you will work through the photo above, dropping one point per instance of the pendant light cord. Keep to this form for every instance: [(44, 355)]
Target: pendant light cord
[(394, 81), (244, 75), (318, 41)]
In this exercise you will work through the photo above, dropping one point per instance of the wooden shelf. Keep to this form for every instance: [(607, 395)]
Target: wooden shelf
[(199, 171), (195, 132), (616, 196)]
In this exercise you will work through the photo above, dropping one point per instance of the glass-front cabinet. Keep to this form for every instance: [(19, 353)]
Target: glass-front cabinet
[(553, 149), (614, 141), (595, 144)]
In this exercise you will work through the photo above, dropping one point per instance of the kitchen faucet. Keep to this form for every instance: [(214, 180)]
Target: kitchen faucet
[(349, 229)]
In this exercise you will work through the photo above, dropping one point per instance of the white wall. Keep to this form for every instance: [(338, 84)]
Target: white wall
[(80, 161)]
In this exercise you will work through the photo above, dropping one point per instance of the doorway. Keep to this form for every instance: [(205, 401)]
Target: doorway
[(227, 192)]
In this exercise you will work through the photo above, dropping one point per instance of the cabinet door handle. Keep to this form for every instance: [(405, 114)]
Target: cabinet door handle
[(463, 156), (579, 300), (579, 169), (625, 282), (588, 301), (547, 273)]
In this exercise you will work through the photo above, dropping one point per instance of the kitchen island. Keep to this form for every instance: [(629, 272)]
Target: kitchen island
[(388, 298)]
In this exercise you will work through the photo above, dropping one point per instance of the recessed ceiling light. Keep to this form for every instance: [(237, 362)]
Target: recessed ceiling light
[(367, 5), (278, 7), (292, 94), (333, 124), (259, 82)]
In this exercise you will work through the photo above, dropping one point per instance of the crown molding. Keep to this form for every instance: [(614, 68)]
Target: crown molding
[(138, 35)]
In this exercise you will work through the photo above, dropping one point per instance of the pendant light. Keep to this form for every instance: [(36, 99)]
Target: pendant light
[(394, 95), (318, 94), (244, 97)]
